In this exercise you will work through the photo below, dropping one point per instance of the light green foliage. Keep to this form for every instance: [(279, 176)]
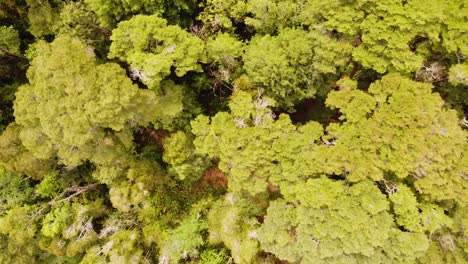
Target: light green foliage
[(289, 66), (183, 242), (50, 186), (444, 252), (381, 48), (13, 252), (224, 52), (213, 256), (455, 21), (269, 16), (452, 247), (109, 174), (170, 102), (232, 221), (14, 190), (433, 218), (354, 104), (57, 220), (183, 131), (345, 21), (398, 127), (458, 74), (460, 223), (224, 49), (254, 149), (122, 247), (152, 47), (9, 40), (325, 221), (19, 224), (176, 106), (134, 190), (416, 217), (405, 207), (62, 111), (278, 232), (282, 65), (184, 162), (387, 29), (31, 51), (17, 158), (405, 247), (68, 229)]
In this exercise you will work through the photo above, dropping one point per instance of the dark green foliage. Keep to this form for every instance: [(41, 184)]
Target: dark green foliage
[(7, 96), (78, 21), (42, 17)]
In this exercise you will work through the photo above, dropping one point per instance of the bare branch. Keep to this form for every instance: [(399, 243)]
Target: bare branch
[(77, 191)]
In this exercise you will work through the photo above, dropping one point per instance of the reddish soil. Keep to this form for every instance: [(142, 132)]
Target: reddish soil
[(214, 177)]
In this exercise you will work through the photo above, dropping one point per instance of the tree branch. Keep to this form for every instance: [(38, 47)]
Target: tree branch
[(77, 191), (11, 54)]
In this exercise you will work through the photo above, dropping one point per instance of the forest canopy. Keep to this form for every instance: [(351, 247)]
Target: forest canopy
[(222, 131)]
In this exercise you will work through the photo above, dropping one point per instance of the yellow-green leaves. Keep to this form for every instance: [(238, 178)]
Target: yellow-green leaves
[(72, 105), (290, 67), (184, 162), (231, 221), (109, 12), (319, 222), (19, 223), (9, 41), (253, 147), (399, 127), (14, 190), (17, 158), (121, 247), (170, 131), (42, 17), (135, 185), (217, 14), (416, 217), (152, 47), (458, 74), (272, 15), (183, 241), (353, 104), (224, 49), (386, 33), (56, 221)]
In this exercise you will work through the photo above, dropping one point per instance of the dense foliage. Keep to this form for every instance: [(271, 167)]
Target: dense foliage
[(222, 131)]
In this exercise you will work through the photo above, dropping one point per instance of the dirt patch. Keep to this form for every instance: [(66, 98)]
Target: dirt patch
[(214, 177)]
